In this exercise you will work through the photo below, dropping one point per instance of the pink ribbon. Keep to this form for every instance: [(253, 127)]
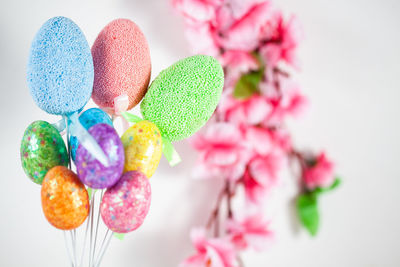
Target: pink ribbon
[(121, 104)]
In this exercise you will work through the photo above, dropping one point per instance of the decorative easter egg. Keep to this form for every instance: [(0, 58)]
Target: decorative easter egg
[(90, 170), (143, 148), (122, 64), (125, 205), (42, 148), (184, 96), (88, 119), (65, 201), (60, 67)]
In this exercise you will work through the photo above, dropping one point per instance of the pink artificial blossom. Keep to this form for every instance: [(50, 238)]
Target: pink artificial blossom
[(260, 176), (244, 33), (283, 46), (247, 142), (251, 111), (221, 152), (196, 10), (284, 101), (238, 62), (213, 252), (241, 7), (252, 231), (268, 149), (320, 174), (202, 38)]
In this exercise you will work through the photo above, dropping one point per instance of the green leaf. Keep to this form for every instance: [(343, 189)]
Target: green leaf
[(248, 84), (259, 59), (334, 185), (307, 209)]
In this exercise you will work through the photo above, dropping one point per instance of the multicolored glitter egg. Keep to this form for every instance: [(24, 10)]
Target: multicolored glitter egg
[(88, 119), (90, 170), (143, 148), (65, 201), (42, 148), (125, 205)]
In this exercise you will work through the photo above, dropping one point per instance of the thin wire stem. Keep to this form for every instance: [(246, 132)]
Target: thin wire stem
[(97, 225), (72, 255), (84, 241), (67, 248), (100, 258), (104, 241), (71, 233), (91, 228), (75, 249), (68, 144)]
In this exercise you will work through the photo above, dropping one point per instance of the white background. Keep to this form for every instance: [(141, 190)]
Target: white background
[(351, 74)]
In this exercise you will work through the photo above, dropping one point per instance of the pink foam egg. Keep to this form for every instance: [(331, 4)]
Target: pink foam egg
[(125, 205), (122, 65)]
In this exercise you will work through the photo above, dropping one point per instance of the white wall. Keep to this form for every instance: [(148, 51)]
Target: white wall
[(350, 72)]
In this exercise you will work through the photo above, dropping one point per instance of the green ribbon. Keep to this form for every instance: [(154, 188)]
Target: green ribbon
[(90, 192), (169, 151), (119, 236), (130, 117)]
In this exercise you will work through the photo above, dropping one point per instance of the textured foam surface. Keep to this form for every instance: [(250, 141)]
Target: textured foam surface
[(184, 96), (88, 119), (60, 67), (122, 63)]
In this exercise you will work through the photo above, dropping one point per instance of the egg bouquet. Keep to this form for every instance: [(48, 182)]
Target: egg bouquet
[(97, 167)]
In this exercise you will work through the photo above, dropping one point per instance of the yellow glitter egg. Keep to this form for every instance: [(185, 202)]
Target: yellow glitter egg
[(143, 148)]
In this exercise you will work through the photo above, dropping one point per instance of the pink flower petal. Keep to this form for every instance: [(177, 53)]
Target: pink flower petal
[(201, 37), (244, 33), (196, 10), (259, 140)]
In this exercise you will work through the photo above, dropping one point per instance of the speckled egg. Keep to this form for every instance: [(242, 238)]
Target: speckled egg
[(182, 98), (122, 64), (90, 170), (65, 200), (143, 148), (88, 119), (125, 205), (42, 148), (60, 67)]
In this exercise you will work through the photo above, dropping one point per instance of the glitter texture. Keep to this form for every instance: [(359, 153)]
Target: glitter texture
[(90, 170), (184, 96), (122, 64), (60, 67), (42, 148), (143, 148), (125, 205), (65, 201), (89, 118)]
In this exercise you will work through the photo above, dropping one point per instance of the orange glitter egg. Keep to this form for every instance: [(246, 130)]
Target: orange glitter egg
[(65, 201)]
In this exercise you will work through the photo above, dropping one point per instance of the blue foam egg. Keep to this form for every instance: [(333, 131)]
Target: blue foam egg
[(88, 119), (60, 67)]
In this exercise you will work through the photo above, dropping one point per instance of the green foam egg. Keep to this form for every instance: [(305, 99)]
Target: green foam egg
[(42, 148), (182, 98)]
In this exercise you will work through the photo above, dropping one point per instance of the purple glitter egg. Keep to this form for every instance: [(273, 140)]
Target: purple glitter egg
[(90, 171), (125, 205)]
